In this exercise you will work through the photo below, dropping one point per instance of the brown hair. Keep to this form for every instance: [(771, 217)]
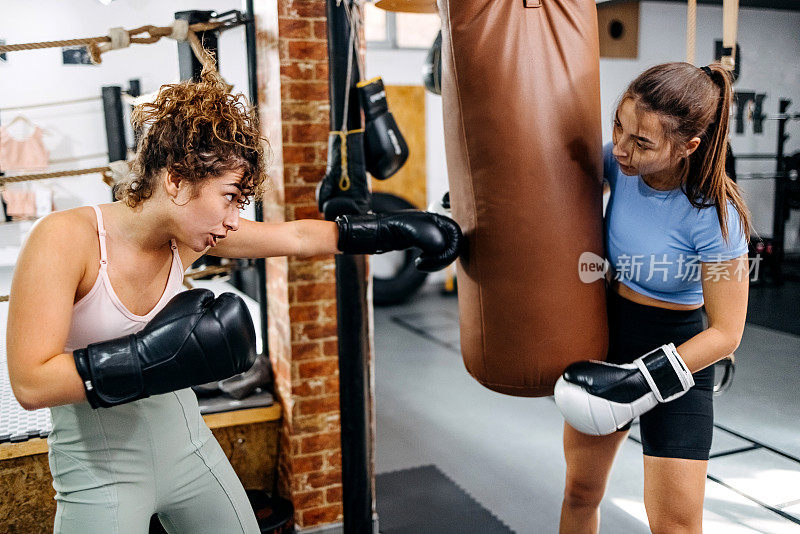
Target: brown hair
[(692, 102), (195, 130)]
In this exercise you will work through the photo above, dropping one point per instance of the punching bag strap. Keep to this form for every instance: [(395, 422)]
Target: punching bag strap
[(730, 20), (344, 180)]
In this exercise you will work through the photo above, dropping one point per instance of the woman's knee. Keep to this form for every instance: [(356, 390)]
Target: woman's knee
[(583, 494), (675, 525), (675, 518)]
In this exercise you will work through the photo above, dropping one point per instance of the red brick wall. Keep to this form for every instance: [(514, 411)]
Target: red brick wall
[(293, 83)]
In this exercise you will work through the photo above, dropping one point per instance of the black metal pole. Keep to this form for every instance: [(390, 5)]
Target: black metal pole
[(352, 307), (135, 89), (357, 486), (780, 205), (338, 45), (252, 85), (115, 125)]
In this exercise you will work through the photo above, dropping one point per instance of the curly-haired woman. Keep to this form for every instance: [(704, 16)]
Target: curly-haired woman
[(95, 310)]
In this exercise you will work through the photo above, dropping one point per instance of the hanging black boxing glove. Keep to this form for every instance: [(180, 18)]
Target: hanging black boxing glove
[(344, 187), (438, 236), (432, 68), (195, 339), (385, 149)]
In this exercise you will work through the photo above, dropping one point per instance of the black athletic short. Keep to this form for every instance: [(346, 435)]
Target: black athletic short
[(681, 428)]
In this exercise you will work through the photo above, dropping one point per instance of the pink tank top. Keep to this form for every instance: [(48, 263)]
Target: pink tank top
[(100, 315), (23, 154)]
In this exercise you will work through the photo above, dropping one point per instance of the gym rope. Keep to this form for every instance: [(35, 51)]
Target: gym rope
[(49, 104), (730, 21), (730, 17), (114, 172), (118, 38), (45, 175), (691, 30)]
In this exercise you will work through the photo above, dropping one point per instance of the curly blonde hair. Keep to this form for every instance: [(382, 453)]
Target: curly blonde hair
[(196, 130)]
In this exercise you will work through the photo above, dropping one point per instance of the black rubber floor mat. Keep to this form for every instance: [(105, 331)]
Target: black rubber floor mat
[(422, 500)]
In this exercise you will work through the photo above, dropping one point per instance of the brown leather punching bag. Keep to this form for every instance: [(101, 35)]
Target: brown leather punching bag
[(521, 96)]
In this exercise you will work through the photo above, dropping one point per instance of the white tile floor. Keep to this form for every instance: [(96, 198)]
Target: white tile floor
[(506, 451)]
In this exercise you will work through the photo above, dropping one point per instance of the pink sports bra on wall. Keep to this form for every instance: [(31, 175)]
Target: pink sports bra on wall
[(23, 154)]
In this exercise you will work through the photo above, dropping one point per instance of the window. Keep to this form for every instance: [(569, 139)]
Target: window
[(375, 24), (416, 30), (385, 29)]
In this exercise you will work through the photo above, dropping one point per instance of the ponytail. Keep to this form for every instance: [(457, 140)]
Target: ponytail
[(710, 183)]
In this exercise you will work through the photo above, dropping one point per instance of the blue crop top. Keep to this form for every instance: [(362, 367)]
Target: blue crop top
[(655, 240)]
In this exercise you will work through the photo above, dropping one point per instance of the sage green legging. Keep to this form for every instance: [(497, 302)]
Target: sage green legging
[(113, 468)]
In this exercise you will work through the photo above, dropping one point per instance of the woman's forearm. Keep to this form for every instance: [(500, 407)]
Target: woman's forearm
[(317, 237), (707, 348), (53, 383)]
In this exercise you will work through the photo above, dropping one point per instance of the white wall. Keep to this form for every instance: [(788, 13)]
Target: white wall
[(770, 49)]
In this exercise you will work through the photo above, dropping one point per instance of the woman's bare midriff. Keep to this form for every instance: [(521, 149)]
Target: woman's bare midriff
[(628, 293)]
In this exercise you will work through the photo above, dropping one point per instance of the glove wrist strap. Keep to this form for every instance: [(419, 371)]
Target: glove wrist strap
[(115, 371), (82, 366), (665, 373), (358, 234)]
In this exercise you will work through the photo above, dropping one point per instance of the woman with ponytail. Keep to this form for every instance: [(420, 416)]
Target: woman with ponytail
[(676, 230)]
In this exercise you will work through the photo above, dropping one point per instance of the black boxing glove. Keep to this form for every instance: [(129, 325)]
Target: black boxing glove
[(432, 68), (438, 236), (195, 339), (385, 148)]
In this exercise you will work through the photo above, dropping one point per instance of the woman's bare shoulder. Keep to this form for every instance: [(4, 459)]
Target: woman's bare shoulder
[(74, 229), (56, 253)]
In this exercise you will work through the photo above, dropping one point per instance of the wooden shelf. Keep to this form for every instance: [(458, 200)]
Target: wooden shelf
[(25, 448), (213, 420), (243, 417)]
